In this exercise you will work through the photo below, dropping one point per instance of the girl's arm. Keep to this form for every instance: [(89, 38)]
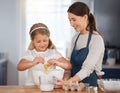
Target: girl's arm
[(61, 62), (26, 64), (64, 63)]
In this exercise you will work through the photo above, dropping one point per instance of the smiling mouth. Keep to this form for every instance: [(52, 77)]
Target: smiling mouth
[(75, 27), (42, 48)]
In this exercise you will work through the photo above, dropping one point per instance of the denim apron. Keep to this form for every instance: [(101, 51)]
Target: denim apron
[(77, 59)]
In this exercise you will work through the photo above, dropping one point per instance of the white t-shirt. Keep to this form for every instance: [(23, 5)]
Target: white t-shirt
[(95, 56), (31, 54)]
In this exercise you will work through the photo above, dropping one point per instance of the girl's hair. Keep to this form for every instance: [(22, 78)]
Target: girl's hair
[(40, 28), (81, 9)]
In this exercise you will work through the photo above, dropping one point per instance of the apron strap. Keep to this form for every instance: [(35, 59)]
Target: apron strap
[(76, 40), (90, 35), (89, 38)]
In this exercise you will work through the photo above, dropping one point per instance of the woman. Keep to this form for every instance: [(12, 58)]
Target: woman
[(87, 46)]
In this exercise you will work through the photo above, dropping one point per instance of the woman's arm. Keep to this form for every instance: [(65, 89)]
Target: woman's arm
[(76, 78), (67, 82), (94, 58)]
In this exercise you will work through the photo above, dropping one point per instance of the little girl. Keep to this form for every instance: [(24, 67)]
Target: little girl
[(41, 51)]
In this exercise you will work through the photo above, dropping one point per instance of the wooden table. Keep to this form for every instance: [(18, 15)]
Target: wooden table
[(34, 89)]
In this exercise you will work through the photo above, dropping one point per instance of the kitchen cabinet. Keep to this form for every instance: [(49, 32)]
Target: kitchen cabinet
[(111, 72), (107, 15), (3, 69)]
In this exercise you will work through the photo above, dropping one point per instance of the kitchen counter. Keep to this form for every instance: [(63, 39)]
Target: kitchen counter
[(116, 66), (33, 89)]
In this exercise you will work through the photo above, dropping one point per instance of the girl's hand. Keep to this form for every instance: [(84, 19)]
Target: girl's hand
[(53, 62), (38, 60)]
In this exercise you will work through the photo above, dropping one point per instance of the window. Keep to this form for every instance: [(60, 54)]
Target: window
[(53, 13)]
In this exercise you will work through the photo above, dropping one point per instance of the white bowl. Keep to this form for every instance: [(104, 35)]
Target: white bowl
[(48, 87), (35, 76), (58, 73), (47, 83), (109, 85)]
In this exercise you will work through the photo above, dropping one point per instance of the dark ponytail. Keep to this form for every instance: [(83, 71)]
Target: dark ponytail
[(92, 23)]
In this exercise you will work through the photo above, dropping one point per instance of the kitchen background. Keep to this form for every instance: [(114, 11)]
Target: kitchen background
[(14, 25)]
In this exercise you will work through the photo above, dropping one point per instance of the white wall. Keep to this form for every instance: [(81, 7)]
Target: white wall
[(10, 37), (90, 4)]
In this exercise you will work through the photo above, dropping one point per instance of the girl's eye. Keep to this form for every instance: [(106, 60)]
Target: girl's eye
[(44, 40), (38, 41)]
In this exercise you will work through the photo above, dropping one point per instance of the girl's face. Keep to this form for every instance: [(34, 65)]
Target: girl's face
[(40, 42), (79, 23)]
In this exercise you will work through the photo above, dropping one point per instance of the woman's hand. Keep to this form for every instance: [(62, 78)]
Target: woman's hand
[(66, 75), (61, 82), (66, 82)]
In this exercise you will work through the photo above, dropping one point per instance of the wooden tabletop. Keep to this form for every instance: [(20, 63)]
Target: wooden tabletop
[(34, 89)]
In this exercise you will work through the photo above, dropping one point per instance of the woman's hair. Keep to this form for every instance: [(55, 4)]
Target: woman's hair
[(81, 9), (40, 28)]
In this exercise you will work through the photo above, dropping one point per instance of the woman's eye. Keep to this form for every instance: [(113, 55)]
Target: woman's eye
[(73, 19)]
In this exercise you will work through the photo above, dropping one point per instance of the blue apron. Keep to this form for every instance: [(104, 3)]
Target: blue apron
[(77, 59)]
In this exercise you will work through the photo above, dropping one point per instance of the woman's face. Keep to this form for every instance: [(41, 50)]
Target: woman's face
[(40, 42), (79, 23)]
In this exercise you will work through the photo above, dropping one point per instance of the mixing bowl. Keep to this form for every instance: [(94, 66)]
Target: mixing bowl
[(57, 73)]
